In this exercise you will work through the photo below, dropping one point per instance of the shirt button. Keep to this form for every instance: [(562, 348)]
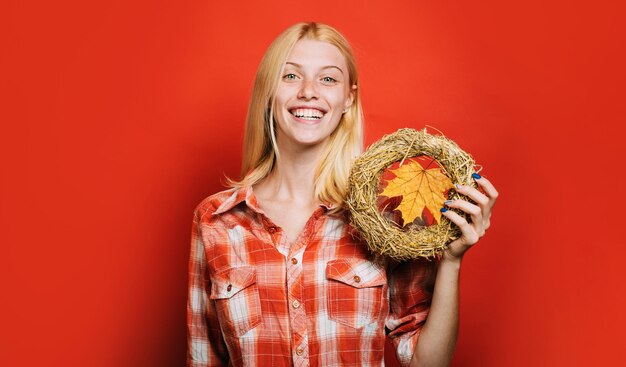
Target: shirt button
[(296, 304), (271, 230), (230, 286), (294, 261), (357, 279), (299, 351)]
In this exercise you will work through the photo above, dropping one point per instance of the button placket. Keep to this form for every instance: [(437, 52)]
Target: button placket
[(272, 231), (297, 314)]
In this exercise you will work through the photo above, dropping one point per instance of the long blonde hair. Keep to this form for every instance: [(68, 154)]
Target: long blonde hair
[(260, 150)]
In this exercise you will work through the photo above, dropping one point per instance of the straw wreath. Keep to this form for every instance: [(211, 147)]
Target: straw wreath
[(383, 236)]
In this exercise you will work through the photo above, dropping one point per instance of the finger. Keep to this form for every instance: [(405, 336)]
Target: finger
[(468, 232), (487, 186), (474, 211), (478, 197)]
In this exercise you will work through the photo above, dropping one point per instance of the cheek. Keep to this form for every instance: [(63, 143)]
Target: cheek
[(279, 100), (279, 117), (339, 99), (335, 119), (283, 94)]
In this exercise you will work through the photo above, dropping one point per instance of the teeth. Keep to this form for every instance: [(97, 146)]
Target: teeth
[(307, 113)]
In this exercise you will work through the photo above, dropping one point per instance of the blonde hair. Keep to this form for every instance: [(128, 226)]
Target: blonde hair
[(260, 150)]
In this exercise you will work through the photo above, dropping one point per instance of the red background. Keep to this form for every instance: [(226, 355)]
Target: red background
[(119, 117)]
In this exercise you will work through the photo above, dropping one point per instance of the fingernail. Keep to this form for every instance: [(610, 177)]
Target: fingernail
[(476, 175), (443, 210), (447, 202), (457, 186)]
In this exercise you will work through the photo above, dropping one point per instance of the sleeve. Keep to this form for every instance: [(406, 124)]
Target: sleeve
[(205, 344), (411, 286)]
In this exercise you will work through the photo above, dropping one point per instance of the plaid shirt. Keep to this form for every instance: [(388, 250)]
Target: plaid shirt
[(325, 300)]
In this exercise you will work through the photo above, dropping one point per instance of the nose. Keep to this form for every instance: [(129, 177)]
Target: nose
[(308, 90)]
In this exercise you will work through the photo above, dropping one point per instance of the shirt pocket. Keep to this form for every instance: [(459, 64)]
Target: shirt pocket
[(356, 290), (236, 297)]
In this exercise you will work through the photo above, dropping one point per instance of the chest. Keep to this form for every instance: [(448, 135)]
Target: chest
[(290, 221), (327, 277)]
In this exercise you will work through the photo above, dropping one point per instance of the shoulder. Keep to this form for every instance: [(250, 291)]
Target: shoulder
[(213, 203)]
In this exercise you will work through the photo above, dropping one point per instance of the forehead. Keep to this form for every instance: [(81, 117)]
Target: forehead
[(316, 54)]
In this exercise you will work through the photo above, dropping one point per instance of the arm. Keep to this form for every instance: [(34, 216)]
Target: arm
[(435, 346), (205, 345)]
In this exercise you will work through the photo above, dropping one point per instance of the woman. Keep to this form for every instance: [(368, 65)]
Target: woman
[(276, 278)]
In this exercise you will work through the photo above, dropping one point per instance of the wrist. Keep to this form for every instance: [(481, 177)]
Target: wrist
[(450, 260)]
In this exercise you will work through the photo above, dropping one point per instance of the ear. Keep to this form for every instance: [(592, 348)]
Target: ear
[(350, 99)]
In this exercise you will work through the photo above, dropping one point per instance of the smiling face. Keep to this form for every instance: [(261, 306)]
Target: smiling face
[(312, 94)]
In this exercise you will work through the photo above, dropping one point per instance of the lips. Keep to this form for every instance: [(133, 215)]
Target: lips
[(312, 114)]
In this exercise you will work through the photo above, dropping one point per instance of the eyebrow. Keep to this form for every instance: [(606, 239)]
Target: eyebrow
[(325, 67)]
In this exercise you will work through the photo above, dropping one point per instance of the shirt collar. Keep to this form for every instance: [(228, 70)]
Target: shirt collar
[(238, 196)]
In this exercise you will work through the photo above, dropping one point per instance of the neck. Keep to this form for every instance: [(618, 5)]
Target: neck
[(293, 177)]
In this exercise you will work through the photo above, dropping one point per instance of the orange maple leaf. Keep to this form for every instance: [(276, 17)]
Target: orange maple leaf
[(420, 188)]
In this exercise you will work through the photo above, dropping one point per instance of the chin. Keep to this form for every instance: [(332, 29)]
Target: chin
[(305, 135), (308, 141)]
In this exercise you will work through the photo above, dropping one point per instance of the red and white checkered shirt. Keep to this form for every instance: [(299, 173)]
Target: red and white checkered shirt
[(324, 300)]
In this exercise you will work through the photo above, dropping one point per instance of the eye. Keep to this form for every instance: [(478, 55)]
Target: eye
[(328, 79), (290, 76)]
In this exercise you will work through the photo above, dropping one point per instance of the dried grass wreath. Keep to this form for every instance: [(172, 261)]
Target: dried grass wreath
[(383, 236)]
